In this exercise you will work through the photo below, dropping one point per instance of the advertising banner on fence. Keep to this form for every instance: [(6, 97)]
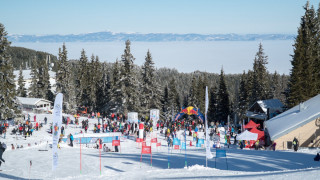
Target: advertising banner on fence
[(56, 123)]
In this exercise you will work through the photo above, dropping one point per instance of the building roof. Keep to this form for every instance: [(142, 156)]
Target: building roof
[(269, 103), (294, 118), (31, 101)]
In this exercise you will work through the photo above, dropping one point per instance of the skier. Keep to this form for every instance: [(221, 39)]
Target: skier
[(3, 147), (71, 140), (295, 143)]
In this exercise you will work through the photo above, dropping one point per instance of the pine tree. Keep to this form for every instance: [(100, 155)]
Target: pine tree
[(223, 107), (21, 91), (173, 99), (116, 103), (302, 80), (129, 81), (243, 96), (260, 86), (150, 90), (93, 79), (201, 94), (8, 102), (48, 94), (193, 92), (34, 89), (165, 104), (213, 103), (103, 91), (65, 81), (82, 82)]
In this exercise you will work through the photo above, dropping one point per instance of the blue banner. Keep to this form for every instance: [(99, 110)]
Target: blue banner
[(92, 140), (176, 141), (221, 153), (183, 145), (198, 145), (200, 141)]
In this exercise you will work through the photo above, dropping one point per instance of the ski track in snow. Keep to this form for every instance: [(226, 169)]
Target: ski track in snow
[(242, 164)]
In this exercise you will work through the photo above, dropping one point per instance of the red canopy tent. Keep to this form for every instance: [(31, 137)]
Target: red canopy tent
[(260, 133), (251, 125)]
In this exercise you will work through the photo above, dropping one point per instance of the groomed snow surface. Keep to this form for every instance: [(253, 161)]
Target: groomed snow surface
[(242, 164)]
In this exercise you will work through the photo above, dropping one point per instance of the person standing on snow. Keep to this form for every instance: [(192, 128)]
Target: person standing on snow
[(295, 143), (71, 140), (3, 147)]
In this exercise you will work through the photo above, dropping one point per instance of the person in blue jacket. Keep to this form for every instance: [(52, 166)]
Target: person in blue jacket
[(71, 140)]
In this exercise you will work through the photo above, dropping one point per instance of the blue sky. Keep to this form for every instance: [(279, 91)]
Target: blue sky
[(147, 16)]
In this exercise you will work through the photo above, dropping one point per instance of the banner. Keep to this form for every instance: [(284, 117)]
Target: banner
[(116, 143), (221, 153), (159, 144), (139, 140), (146, 150), (183, 145), (144, 144), (208, 152), (176, 141), (56, 123), (176, 146), (154, 140)]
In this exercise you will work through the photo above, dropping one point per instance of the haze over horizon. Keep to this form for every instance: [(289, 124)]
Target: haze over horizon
[(181, 16)]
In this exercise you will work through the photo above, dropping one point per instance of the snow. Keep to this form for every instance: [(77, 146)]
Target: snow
[(293, 118), (27, 74), (242, 164)]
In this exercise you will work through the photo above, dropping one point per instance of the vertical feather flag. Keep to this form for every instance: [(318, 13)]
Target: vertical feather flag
[(208, 152), (56, 123)]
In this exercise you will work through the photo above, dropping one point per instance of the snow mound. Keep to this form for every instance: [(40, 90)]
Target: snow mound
[(198, 167)]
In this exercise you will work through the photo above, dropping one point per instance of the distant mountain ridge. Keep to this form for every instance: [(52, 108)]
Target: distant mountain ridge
[(108, 36)]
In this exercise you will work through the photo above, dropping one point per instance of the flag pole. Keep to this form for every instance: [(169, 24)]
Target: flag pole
[(185, 148), (100, 155), (80, 155)]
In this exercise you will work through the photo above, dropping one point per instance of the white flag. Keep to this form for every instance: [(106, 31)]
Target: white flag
[(208, 151), (56, 126)]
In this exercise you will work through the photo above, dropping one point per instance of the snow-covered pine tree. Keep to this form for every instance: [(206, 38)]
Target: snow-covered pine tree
[(65, 81), (117, 100), (243, 103), (260, 86), (82, 82), (213, 103), (150, 96), (223, 107), (48, 94), (33, 88), (8, 101), (129, 81), (302, 85), (21, 91), (93, 72), (201, 94), (192, 98), (165, 104), (173, 99), (99, 83), (103, 91)]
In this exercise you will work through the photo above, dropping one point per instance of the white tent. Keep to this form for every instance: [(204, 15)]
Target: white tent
[(132, 117), (246, 135)]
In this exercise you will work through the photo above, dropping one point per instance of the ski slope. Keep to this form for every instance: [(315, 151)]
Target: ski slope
[(242, 164)]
